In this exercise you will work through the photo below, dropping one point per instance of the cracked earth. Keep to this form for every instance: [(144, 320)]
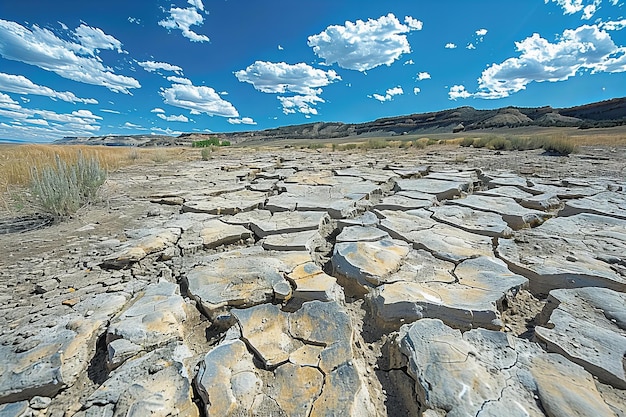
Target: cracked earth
[(289, 282)]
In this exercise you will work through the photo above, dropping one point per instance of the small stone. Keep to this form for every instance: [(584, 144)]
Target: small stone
[(40, 403), (71, 302)]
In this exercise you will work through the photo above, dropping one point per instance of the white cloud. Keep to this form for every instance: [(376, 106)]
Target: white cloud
[(458, 91), (588, 7), (157, 110), (110, 111), (280, 48), (481, 32), (134, 20), (179, 80), (280, 78), (470, 46), (198, 99), (22, 85), (364, 45), (44, 125), (584, 48), (409, 62), (270, 77), (152, 66), (423, 76), (179, 118), (243, 120), (94, 39), (389, 94), (197, 4), (130, 125), (183, 19), (303, 104), (450, 45), (613, 25), (168, 131), (416, 90), (413, 23), (77, 62)]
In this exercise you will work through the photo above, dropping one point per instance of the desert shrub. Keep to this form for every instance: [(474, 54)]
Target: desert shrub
[(64, 188), (348, 147), (315, 145), (480, 142), (375, 143), (431, 142), (558, 146), (466, 142), (205, 153), (498, 144)]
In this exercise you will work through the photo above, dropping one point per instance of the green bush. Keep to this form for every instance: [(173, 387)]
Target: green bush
[(64, 188), (209, 142)]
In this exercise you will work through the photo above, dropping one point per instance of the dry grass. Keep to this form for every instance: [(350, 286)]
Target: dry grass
[(18, 161)]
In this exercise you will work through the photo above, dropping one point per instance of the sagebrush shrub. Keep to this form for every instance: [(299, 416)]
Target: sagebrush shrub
[(64, 188)]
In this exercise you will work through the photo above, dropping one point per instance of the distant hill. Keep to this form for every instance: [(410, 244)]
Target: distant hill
[(607, 113)]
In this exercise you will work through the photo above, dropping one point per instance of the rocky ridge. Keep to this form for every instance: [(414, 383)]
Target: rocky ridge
[(304, 283), (607, 113)]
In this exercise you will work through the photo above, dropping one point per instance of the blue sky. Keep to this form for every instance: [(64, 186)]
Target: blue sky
[(91, 68)]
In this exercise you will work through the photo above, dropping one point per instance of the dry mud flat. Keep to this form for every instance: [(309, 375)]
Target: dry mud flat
[(448, 281)]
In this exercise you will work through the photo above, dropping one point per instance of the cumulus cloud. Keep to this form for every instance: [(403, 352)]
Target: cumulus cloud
[(389, 94), (481, 32), (280, 78), (416, 90), (588, 7), (270, 77), (450, 45), (302, 104), (183, 19), (44, 125), (585, 48), (197, 4), (413, 23), (198, 99), (423, 76), (243, 120), (22, 85), (458, 91), (179, 118), (153, 66), (75, 61), (364, 45)]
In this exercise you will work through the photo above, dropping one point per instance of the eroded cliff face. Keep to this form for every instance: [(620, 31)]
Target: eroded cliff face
[(601, 114), (394, 282)]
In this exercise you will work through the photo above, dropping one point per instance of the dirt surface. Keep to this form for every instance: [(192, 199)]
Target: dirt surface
[(69, 250)]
